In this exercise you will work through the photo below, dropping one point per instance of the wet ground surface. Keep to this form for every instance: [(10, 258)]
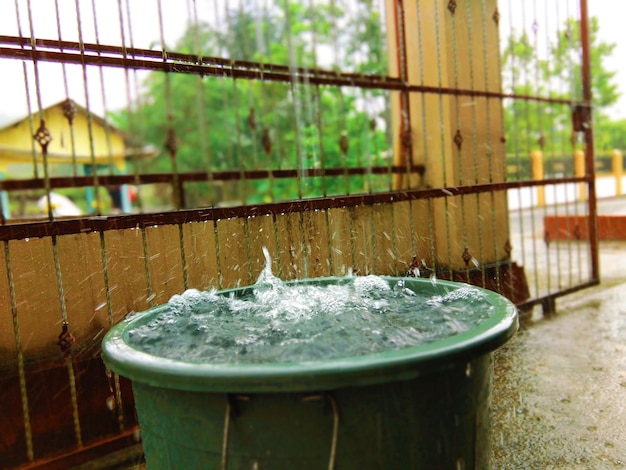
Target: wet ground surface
[(560, 384)]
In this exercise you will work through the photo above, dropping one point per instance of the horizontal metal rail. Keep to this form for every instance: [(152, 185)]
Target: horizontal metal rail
[(197, 176), (548, 301), (87, 224), (69, 52)]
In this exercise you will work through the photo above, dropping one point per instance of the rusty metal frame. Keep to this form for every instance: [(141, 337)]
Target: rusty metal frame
[(590, 167), (175, 62), (103, 223)]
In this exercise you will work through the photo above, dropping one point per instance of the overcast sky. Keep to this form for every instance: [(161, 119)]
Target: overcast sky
[(146, 33)]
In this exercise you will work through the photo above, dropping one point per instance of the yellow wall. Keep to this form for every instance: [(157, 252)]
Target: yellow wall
[(146, 267), (16, 141), (454, 51)]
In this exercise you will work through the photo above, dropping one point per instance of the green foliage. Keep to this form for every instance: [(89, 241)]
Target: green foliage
[(530, 124), (225, 124), (610, 135)]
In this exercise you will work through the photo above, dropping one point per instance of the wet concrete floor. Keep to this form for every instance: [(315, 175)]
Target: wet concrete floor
[(559, 397)]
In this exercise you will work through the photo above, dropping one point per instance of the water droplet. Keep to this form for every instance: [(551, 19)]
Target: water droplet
[(468, 369), (268, 259), (460, 463), (433, 279)]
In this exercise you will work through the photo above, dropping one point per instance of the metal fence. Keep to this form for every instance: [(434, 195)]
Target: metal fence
[(151, 149)]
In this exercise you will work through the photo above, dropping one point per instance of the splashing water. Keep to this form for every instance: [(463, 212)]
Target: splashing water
[(276, 321)]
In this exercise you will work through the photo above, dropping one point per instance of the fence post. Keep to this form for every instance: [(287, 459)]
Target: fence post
[(579, 170), (618, 170), (536, 164)]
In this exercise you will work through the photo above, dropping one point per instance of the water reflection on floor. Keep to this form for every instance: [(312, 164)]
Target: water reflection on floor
[(560, 385)]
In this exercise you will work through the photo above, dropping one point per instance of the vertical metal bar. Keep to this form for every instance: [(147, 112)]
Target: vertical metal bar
[(107, 288), (588, 134), (472, 84), (67, 93), (93, 168), (539, 107), (406, 137), (516, 145), (107, 128), (146, 261), (40, 134), (68, 357), (171, 143), (132, 127), (343, 136), (205, 148), (460, 177), (20, 355), (552, 152), (29, 106), (442, 130), (295, 97), (220, 276), (527, 113), (576, 95), (431, 223), (490, 142)]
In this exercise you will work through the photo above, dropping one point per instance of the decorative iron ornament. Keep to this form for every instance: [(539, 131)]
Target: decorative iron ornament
[(66, 340), (69, 110), (581, 118), (406, 139), (496, 17), (171, 143), (373, 124), (458, 139), (344, 143), (266, 141), (535, 27), (467, 256), (541, 141), (43, 136), (251, 119), (546, 237), (508, 248), (452, 6), (577, 233), (414, 268)]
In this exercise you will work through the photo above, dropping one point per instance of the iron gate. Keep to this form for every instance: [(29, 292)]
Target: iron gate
[(157, 149)]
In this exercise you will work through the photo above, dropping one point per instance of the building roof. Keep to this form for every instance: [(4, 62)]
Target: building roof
[(77, 136)]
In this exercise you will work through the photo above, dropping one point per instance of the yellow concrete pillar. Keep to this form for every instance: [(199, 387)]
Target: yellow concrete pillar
[(579, 171), (457, 138), (617, 159), (536, 165)]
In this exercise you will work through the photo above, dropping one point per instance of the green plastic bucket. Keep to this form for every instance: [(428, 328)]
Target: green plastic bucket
[(421, 407)]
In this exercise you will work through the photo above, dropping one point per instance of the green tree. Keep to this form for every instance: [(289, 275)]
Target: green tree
[(531, 125), (225, 124)]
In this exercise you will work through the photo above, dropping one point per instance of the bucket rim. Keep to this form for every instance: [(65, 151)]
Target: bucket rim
[(315, 375)]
